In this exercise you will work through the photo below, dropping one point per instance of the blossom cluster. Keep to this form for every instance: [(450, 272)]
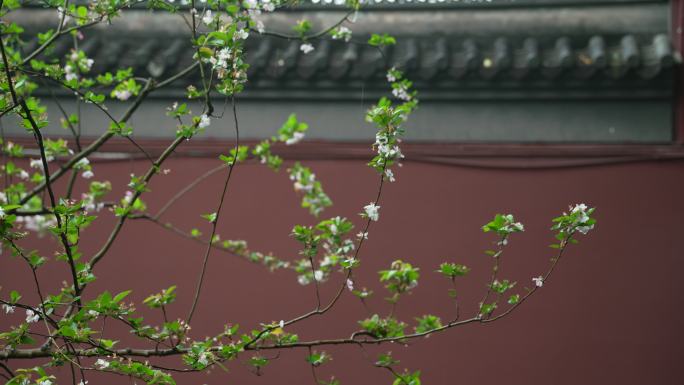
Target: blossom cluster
[(77, 63), (329, 235), (579, 219), (389, 119), (342, 33), (315, 199)]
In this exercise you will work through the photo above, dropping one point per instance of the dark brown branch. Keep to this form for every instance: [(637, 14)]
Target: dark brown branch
[(37, 352), (150, 173), (94, 146), (46, 169)]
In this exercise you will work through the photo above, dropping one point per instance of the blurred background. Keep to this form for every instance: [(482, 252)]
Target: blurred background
[(527, 106)]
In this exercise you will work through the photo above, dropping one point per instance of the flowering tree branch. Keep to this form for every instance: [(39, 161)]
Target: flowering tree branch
[(70, 315)]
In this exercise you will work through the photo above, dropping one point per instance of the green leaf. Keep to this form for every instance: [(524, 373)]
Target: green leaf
[(453, 270), (386, 360), (14, 297), (82, 12), (514, 299), (119, 297), (381, 40), (427, 323), (318, 358), (302, 27), (210, 217)]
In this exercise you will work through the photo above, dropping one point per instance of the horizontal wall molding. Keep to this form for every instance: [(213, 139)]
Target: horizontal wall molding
[(486, 155)]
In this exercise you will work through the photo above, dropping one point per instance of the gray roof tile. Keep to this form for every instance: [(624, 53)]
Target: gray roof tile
[(441, 59)]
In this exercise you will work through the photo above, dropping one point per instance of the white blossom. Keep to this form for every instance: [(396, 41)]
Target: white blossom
[(83, 382), (221, 59), (260, 26), (203, 359), (301, 184), (390, 175), (31, 317), (268, 6), (582, 207), (582, 219), (296, 138), (350, 285), (372, 211), (362, 235), (87, 174), (9, 309), (46, 381), (281, 324), (208, 17), (2, 212), (319, 275), (101, 364), (241, 34), (401, 92), (24, 175), (388, 152), (584, 229), (122, 95), (86, 63), (61, 14), (83, 162), (538, 281), (36, 163), (303, 187), (390, 75), (204, 122), (38, 223), (90, 204), (70, 73), (327, 261), (128, 196), (303, 280), (306, 48), (343, 33), (511, 225)]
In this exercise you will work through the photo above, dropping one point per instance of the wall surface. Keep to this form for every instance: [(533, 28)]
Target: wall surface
[(610, 314), (512, 121)]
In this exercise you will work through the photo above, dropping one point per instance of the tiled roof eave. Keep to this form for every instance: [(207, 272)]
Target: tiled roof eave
[(577, 59)]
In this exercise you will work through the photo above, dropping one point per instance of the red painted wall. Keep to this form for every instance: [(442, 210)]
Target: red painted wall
[(611, 314)]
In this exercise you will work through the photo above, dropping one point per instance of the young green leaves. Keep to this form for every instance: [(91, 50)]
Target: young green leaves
[(453, 270), (503, 225), (400, 278)]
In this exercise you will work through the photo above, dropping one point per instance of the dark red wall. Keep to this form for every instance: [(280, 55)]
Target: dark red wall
[(611, 314)]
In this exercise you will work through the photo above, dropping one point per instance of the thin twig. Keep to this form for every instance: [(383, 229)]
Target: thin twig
[(231, 166)]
